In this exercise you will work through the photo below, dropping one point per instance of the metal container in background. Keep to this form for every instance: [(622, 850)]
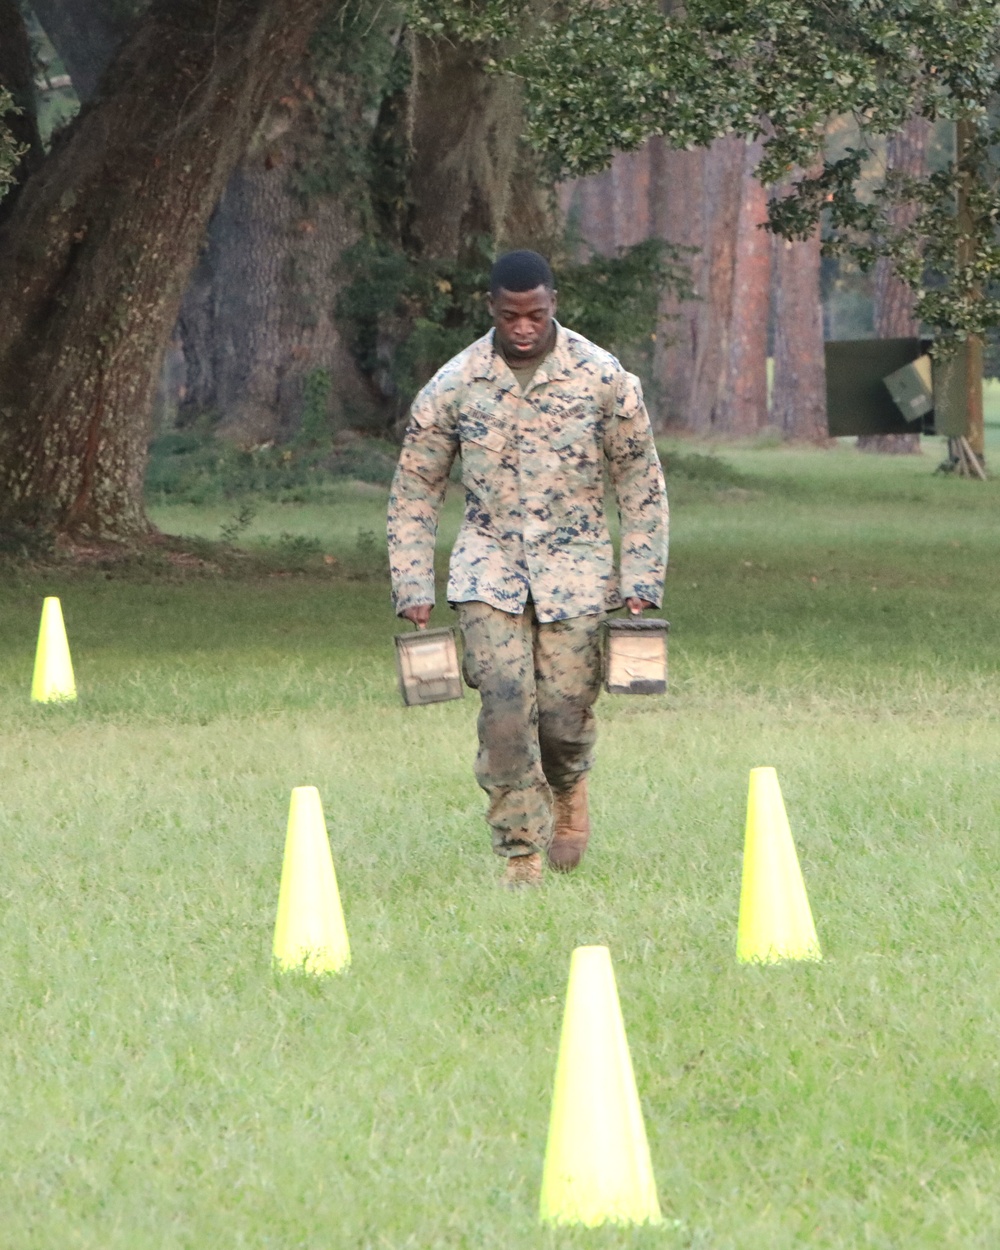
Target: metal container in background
[(912, 389), (427, 664), (635, 656)]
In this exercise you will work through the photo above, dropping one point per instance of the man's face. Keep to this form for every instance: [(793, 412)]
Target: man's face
[(523, 321)]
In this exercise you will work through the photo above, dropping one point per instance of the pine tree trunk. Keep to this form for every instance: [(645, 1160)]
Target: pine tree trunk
[(94, 260), (798, 404), (723, 187), (701, 200), (631, 175), (677, 181), (906, 151), (613, 209), (589, 203), (742, 408)]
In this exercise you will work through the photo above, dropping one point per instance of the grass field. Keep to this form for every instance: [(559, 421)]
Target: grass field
[(832, 615)]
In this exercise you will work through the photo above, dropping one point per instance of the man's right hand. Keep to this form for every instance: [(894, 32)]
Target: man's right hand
[(419, 614)]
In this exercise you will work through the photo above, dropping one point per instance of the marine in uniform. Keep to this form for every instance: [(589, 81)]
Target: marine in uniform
[(537, 415)]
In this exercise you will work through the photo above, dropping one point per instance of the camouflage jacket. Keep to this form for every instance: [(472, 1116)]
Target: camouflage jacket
[(533, 472)]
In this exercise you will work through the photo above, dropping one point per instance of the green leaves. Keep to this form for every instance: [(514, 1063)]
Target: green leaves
[(600, 78), (612, 300), (473, 21), (10, 151)]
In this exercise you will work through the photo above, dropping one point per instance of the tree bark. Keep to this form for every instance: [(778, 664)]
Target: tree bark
[(678, 181), (893, 312), (258, 317), (710, 362), (711, 371), (469, 173), (742, 406), (94, 259), (723, 193), (798, 405), (613, 209), (589, 204)]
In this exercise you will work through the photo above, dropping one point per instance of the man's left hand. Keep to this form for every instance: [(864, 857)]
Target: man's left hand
[(636, 606)]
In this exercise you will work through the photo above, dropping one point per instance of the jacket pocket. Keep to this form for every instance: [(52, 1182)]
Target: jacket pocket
[(575, 432), (491, 439)]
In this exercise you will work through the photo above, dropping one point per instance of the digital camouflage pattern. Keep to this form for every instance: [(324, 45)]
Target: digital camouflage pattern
[(538, 682), (533, 472)]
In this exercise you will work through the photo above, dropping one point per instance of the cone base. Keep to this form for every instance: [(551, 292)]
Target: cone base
[(313, 963), (55, 696), (779, 957), (569, 1219)]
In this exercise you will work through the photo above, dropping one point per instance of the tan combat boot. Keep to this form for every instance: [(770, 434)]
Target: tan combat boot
[(522, 872), (571, 827)]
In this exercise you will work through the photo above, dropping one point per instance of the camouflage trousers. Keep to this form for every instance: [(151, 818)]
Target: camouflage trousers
[(538, 683)]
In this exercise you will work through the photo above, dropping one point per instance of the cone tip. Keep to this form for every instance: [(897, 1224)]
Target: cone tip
[(590, 955)]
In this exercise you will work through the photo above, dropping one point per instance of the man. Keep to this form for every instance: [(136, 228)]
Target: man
[(534, 411)]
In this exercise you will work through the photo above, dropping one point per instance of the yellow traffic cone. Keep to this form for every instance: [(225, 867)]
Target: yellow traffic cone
[(597, 1165), (53, 681), (309, 933), (775, 920)]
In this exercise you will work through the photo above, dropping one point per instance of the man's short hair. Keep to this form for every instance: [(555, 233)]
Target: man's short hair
[(520, 271)]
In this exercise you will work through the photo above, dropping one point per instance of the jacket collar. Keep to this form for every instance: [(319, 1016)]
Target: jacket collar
[(487, 363)]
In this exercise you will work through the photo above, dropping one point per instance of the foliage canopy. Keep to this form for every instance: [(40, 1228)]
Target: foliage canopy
[(10, 151), (605, 77), (599, 78)]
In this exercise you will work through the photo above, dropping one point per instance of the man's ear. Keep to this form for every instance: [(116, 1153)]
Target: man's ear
[(489, 305), (555, 302)]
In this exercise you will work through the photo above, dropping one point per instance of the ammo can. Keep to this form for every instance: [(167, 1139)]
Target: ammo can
[(912, 388), (427, 664), (635, 656)]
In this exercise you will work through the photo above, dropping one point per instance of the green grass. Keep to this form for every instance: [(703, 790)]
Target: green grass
[(832, 615)]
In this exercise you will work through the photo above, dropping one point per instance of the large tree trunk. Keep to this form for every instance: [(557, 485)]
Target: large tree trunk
[(94, 260), (678, 180), (258, 319), (589, 207), (711, 367), (906, 151), (613, 209), (798, 404), (723, 188), (697, 204), (742, 405), (469, 173), (710, 362)]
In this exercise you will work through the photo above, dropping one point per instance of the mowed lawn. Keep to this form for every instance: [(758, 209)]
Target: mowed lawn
[(833, 615)]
